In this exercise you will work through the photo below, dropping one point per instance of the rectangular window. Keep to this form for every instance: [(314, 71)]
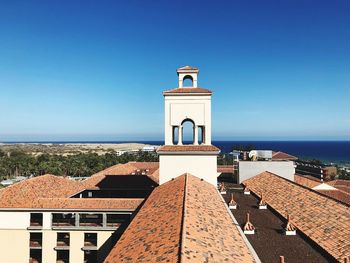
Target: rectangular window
[(62, 256), (62, 240), (35, 240), (36, 220), (115, 220), (90, 220), (35, 256), (90, 256), (63, 220), (90, 240)]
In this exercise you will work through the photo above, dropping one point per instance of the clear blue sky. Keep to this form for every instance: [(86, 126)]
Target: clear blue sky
[(95, 70)]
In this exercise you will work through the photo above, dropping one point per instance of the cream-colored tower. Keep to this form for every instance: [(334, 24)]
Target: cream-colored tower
[(188, 104)]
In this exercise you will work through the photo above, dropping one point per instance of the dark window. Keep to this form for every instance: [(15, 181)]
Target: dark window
[(90, 256), (35, 256), (35, 240), (115, 220), (62, 256), (90, 240), (63, 220), (62, 239), (90, 220), (36, 219)]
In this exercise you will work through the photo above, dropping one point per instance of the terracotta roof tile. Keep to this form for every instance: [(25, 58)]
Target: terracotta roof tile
[(188, 148), (50, 191), (192, 225), (87, 203), (22, 194), (306, 180), (225, 169), (343, 185), (283, 156), (187, 91), (154, 233), (337, 194), (187, 68), (324, 220)]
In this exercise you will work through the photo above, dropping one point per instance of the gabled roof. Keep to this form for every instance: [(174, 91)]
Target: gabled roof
[(54, 192), (187, 91), (184, 220), (283, 156), (323, 220), (22, 194)]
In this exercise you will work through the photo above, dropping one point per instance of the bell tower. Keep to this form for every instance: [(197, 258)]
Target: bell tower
[(188, 105)]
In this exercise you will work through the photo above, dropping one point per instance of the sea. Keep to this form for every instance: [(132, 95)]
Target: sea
[(327, 151)]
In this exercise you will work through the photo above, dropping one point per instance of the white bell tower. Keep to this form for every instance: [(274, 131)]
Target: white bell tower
[(188, 105)]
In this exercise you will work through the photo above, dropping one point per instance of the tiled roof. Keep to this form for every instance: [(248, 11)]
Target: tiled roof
[(22, 194), (225, 169), (307, 181), (184, 220), (323, 220), (343, 185), (187, 68), (188, 148), (124, 169), (337, 194), (50, 191), (195, 91), (87, 203), (283, 156)]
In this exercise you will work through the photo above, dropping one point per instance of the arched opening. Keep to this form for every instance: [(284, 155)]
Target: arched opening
[(187, 131), (188, 81), (201, 135), (175, 135)]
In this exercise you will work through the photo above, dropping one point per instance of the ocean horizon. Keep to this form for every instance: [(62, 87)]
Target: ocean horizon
[(327, 151)]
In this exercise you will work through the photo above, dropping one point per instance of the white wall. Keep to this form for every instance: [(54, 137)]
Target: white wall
[(248, 169), (14, 220), (202, 166), (196, 108)]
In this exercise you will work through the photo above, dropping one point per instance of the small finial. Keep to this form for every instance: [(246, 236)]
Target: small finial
[(222, 189), (281, 259), (262, 203), (232, 204), (290, 229), (248, 227)]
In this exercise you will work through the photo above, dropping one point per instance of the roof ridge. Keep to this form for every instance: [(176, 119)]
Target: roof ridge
[(183, 232)]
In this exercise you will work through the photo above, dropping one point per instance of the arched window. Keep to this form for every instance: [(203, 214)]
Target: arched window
[(188, 81), (201, 135), (187, 131), (175, 135)]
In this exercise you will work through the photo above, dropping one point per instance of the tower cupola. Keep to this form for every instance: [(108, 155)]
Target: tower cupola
[(190, 73)]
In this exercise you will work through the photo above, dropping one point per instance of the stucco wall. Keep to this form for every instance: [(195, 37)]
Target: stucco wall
[(196, 108), (248, 169), (202, 166)]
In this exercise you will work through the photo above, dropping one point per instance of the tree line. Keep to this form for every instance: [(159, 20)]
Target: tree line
[(19, 163)]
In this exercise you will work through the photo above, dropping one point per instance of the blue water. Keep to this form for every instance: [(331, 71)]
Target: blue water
[(328, 151)]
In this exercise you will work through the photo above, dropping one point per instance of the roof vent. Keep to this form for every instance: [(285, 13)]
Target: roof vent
[(246, 190), (223, 189), (262, 203), (290, 229), (232, 204), (248, 228)]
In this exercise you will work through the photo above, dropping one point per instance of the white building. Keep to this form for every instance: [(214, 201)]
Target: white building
[(188, 105)]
